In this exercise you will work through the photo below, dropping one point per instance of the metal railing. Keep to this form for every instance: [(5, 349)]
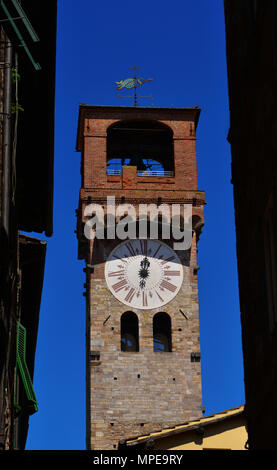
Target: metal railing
[(164, 173), (113, 171), (155, 173)]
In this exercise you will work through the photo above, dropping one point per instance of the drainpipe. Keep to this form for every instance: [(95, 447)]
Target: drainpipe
[(5, 236), (7, 138)]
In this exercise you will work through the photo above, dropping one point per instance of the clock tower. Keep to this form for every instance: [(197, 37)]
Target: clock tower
[(138, 167)]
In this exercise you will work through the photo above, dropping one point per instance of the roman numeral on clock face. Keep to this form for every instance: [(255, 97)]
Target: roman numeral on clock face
[(121, 259), (143, 247), (116, 273), (130, 295), (130, 249), (171, 273), (168, 259), (159, 296), (144, 299), (119, 285), (168, 286), (159, 247)]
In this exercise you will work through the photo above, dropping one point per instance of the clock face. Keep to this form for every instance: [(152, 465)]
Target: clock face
[(143, 274)]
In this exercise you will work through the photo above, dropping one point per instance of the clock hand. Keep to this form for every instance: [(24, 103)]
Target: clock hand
[(142, 283), (144, 271)]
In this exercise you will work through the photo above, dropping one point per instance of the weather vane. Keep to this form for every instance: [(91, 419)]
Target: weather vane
[(134, 83)]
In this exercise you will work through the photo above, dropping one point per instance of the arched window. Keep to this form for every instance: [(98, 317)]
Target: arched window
[(162, 332), (129, 332), (148, 145)]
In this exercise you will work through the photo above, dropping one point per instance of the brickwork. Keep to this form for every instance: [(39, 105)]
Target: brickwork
[(129, 393), (185, 165)]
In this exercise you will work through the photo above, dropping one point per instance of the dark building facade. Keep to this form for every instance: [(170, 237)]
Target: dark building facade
[(251, 46), (27, 85)]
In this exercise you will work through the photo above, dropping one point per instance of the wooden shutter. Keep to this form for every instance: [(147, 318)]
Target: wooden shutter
[(23, 369)]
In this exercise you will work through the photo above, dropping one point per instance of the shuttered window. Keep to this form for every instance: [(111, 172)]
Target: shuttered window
[(30, 401)]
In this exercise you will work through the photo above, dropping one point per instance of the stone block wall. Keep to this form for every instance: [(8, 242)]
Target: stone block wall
[(132, 393)]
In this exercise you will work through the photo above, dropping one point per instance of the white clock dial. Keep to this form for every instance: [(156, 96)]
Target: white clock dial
[(143, 274)]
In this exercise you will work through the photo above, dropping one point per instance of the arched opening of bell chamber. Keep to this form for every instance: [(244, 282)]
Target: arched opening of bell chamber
[(148, 145)]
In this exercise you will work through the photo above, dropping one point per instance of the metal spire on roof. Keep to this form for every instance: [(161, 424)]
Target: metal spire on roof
[(134, 83)]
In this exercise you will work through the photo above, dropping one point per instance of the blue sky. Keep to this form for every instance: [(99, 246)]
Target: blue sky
[(181, 45)]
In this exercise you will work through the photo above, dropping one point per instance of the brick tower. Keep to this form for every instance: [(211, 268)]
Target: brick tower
[(142, 336)]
